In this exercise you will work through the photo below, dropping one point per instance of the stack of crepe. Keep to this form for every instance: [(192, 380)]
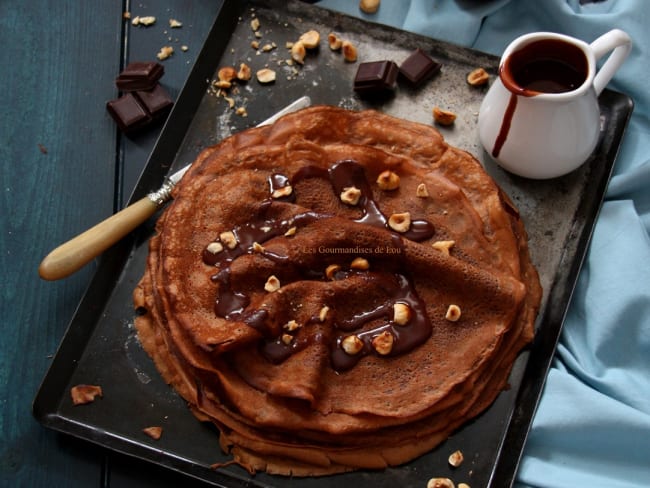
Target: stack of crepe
[(263, 268)]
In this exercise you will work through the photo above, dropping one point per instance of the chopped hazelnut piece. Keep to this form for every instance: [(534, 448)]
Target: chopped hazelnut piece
[(228, 239), (244, 73), (400, 222), (257, 247), (291, 326), (369, 6), (146, 20), (401, 313), (214, 247), (298, 52), (440, 483), (334, 41), (255, 44), (223, 84), (265, 75), (388, 180), (478, 77), (443, 246), (453, 313), (255, 24), (443, 117), (227, 73), (349, 51), (456, 459), (322, 315), (360, 263), (165, 52), (175, 24), (268, 47), (241, 111), (422, 191), (82, 394), (352, 345), (331, 270), (291, 232), (272, 284), (287, 338), (310, 39), (350, 195), (184, 48), (383, 343), (285, 191), (154, 432)]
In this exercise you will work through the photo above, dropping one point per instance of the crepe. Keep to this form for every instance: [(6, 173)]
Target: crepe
[(340, 290)]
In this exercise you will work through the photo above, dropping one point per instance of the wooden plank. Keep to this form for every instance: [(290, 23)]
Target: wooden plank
[(57, 148)]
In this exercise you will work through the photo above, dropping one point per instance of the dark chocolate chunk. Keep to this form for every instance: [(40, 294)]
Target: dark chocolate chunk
[(419, 67), (140, 75), (156, 101), (129, 114), (376, 78)]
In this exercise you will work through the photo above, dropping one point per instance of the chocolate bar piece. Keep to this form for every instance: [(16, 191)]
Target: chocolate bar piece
[(156, 101), (376, 78), (139, 75), (419, 67), (129, 114)]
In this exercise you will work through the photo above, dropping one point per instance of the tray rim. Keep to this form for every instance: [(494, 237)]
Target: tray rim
[(170, 140)]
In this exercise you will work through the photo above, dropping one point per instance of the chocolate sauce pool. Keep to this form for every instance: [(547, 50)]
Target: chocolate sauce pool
[(232, 304)]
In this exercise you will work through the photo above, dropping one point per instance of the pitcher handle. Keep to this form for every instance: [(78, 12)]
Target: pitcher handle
[(621, 44)]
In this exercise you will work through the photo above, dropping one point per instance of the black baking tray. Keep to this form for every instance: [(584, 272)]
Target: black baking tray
[(101, 347)]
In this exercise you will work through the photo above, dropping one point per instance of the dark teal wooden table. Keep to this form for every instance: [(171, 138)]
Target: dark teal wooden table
[(64, 167)]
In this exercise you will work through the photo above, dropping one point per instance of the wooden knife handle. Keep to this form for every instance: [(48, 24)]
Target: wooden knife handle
[(74, 254)]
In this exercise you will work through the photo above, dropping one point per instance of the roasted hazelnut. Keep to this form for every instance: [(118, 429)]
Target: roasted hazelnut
[(388, 180), (244, 73), (291, 326), (334, 41), (214, 247), (82, 394), (265, 75), (478, 77), (165, 52), (440, 483), (287, 339), (350, 195), (422, 191), (360, 263), (228, 239), (272, 284), (383, 343), (401, 313), (322, 315), (310, 39), (227, 73), (298, 52), (369, 6), (443, 246), (154, 432), (331, 270), (349, 51), (285, 191), (443, 117), (456, 459), (453, 313), (352, 345), (400, 222), (257, 247)]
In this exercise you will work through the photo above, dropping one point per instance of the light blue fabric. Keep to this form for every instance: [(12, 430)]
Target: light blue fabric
[(592, 427)]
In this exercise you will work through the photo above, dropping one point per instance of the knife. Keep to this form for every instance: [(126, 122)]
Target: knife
[(72, 255)]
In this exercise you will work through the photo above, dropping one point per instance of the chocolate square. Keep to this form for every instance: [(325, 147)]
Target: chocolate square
[(156, 101), (139, 75), (376, 78), (419, 67), (128, 113)]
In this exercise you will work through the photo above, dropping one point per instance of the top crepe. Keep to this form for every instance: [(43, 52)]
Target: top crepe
[(263, 358)]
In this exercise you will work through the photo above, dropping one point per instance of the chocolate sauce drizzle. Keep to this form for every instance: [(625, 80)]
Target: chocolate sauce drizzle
[(232, 304)]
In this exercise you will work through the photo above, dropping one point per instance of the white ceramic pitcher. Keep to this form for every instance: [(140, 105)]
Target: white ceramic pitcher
[(540, 118)]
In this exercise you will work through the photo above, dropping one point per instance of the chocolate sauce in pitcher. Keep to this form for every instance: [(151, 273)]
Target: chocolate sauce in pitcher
[(546, 66)]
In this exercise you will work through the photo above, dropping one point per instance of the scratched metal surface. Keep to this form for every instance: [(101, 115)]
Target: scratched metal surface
[(558, 213)]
